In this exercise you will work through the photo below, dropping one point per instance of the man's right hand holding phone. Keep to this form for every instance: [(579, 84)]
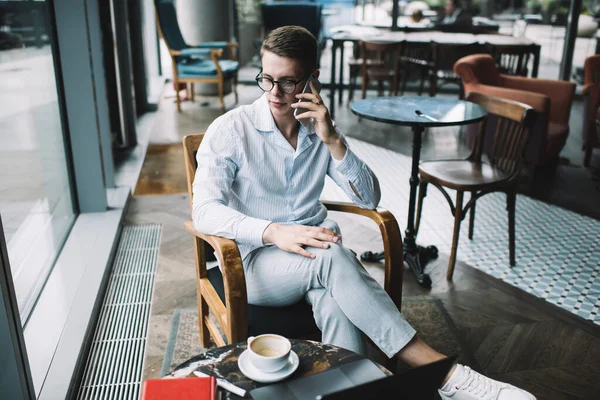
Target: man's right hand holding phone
[(323, 124)]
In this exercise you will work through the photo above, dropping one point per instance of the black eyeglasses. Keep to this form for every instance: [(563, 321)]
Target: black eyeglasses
[(287, 86)]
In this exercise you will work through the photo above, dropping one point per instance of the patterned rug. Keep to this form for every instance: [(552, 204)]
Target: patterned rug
[(427, 315), (557, 251)]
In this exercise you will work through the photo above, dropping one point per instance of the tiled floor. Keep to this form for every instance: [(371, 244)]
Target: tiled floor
[(558, 251), (558, 238)]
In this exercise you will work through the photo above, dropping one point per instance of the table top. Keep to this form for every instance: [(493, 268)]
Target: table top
[(405, 110), (314, 357), (355, 33)]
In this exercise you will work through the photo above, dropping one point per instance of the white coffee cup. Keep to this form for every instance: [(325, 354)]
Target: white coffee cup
[(269, 352)]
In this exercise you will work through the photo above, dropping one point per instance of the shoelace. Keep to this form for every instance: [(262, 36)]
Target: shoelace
[(479, 385)]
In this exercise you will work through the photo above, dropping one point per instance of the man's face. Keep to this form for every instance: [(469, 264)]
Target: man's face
[(450, 7), (276, 68)]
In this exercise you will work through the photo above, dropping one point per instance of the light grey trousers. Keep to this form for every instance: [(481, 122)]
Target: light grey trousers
[(345, 299)]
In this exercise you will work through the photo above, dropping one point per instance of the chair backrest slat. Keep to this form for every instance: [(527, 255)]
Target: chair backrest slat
[(512, 126), (191, 144)]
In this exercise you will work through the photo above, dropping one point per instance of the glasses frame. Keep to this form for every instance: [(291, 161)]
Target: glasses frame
[(274, 82)]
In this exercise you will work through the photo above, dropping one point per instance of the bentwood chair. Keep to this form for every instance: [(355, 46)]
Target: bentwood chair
[(591, 107), (380, 63), (223, 294), (551, 99), (210, 62), (511, 59), (504, 152), (443, 57)]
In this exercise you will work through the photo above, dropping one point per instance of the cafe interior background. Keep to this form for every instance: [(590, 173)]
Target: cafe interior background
[(95, 260)]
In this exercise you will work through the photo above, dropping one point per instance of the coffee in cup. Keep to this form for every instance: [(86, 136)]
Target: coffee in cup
[(269, 352)]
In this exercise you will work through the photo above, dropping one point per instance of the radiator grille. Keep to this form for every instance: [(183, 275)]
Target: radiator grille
[(114, 366)]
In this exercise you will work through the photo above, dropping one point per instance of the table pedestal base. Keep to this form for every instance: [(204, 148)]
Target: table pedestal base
[(416, 259)]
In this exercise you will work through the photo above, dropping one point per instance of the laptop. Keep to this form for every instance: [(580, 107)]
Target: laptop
[(360, 379)]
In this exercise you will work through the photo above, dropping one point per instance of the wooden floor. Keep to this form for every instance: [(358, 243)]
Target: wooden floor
[(513, 336)]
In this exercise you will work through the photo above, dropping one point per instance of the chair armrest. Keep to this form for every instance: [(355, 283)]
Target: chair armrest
[(234, 280), (192, 51), (560, 93), (540, 102), (392, 245), (229, 46), (588, 88)]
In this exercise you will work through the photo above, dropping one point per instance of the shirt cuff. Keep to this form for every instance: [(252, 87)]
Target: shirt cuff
[(250, 231), (350, 166)]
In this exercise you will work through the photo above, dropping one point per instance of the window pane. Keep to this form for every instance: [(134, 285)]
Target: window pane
[(35, 195)]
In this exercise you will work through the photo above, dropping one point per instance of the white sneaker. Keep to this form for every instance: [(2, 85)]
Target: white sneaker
[(466, 384)]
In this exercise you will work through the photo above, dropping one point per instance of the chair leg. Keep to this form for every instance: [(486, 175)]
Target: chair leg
[(511, 199), (192, 92), (365, 82), (422, 83), (379, 88), (177, 99), (422, 194), (404, 80), (432, 84), (457, 220), (221, 96), (472, 218), (587, 156), (203, 314)]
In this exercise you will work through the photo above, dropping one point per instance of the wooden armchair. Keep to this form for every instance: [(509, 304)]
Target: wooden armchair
[(504, 150), (211, 62), (591, 107), (224, 294), (551, 99)]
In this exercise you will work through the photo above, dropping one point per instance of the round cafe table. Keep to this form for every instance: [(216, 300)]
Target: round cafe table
[(222, 362), (419, 113)]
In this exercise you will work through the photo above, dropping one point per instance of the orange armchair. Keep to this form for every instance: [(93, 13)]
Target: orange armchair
[(551, 99), (591, 107)]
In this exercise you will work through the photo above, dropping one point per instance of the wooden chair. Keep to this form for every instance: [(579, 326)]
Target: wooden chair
[(443, 57), (224, 294), (415, 59), (205, 63), (385, 70), (591, 107), (355, 64), (511, 59), (505, 151)]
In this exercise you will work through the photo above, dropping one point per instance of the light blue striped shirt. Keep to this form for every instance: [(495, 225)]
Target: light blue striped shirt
[(249, 176)]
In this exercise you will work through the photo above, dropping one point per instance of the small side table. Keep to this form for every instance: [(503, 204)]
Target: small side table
[(222, 362), (418, 113)]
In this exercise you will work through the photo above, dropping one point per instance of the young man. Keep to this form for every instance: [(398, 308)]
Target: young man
[(259, 178), (455, 15)]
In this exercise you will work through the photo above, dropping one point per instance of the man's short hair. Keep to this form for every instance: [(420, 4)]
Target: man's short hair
[(293, 42)]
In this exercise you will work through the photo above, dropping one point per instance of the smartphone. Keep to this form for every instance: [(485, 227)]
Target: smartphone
[(307, 122)]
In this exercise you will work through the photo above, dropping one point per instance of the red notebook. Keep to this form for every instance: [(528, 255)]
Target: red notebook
[(180, 389)]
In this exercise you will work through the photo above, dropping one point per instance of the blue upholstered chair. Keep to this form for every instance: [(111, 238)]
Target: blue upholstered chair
[(210, 62)]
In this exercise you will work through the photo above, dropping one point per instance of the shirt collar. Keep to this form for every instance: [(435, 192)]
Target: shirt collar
[(263, 119)]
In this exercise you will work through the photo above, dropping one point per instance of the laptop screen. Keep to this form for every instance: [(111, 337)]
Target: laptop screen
[(361, 379), (416, 383)]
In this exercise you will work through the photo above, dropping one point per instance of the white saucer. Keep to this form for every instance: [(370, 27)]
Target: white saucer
[(253, 373)]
